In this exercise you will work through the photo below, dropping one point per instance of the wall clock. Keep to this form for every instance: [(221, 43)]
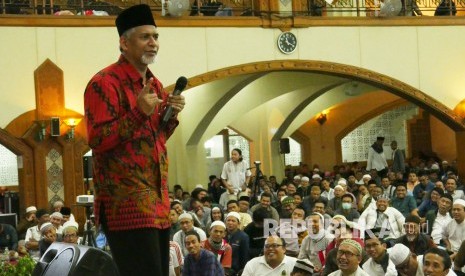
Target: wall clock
[(287, 42)]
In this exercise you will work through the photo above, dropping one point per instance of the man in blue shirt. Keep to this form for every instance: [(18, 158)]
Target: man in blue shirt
[(431, 203), (200, 262), (423, 188), (238, 240), (403, 202)]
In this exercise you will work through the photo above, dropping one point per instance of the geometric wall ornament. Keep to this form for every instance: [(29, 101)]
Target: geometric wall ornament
[(391, 124), (54, 168), (8, 167)]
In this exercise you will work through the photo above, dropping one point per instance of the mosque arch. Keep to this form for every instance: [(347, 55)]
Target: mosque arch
[(389, 84), (201, 127)]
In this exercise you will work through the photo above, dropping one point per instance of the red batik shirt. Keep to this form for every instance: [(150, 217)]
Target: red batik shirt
[(130, 160)]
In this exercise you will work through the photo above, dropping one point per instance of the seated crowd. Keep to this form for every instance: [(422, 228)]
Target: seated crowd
[(344, 222), (38, 229)]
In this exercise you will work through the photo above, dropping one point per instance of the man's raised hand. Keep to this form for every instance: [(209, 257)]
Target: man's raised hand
[(147, 100)]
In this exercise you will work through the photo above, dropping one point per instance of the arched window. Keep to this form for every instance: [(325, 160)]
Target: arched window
[(239, 142), (8, 167), (218, 149), (294, 157)]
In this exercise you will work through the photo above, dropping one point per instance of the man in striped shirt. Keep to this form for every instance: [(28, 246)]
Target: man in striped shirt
[(176, 259)]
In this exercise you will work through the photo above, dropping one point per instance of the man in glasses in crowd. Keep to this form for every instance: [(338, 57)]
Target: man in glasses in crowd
[(348, 257), (273, 262)]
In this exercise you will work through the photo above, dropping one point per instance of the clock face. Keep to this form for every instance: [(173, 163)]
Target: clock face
[(287, 42)]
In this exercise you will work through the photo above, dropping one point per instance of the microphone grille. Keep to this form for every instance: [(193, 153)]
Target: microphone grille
[(181, 83)]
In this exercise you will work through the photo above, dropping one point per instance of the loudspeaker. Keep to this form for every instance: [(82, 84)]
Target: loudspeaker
[(11, 203), (55, 126), (87, 167), (75, 260), (10, 219), (284, 147)]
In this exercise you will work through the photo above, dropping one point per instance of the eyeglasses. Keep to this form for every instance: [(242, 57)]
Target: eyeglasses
[(272, 246), (347, 253), (70, 235)]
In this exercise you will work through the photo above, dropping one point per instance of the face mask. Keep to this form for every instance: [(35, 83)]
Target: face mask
[(346, 206)]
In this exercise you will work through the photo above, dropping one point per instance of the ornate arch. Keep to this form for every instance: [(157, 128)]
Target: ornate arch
[(389, 84)]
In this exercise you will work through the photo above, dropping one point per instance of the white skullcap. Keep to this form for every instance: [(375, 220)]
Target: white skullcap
[(241, 194), (45, 226), (218, 223), (283, 197), (445, 162), (460, 202), (316, 176), (57, 203), (339, 186), (185, 216), (234, 214), (71, 224), (216, 208), (367, 176), (31, 209), (384, 196), (342, 181), (399, 253), (287, 200), (297, 177), (57, 215), (305, 179), (435, 166), (199, 186), (344, 220)]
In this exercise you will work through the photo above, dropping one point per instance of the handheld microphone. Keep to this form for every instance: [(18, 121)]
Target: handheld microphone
[(180, 85)]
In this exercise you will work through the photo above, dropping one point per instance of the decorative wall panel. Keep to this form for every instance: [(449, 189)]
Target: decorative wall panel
[(295, 156), (391, 125), (8, 167), (54, 167)]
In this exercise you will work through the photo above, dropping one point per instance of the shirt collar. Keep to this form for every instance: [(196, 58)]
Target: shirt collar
[(262, 260), (132, 72)]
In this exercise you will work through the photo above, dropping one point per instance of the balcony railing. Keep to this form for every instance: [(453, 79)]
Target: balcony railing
[(336, 8)]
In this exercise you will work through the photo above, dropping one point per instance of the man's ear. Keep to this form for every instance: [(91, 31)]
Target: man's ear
[(123, 43), (384, 245)]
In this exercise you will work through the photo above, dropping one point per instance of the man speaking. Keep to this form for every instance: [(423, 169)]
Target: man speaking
[(124, 106)]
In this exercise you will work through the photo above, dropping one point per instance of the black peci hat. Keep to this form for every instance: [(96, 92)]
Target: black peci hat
[(66, 211), (134, 16)]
